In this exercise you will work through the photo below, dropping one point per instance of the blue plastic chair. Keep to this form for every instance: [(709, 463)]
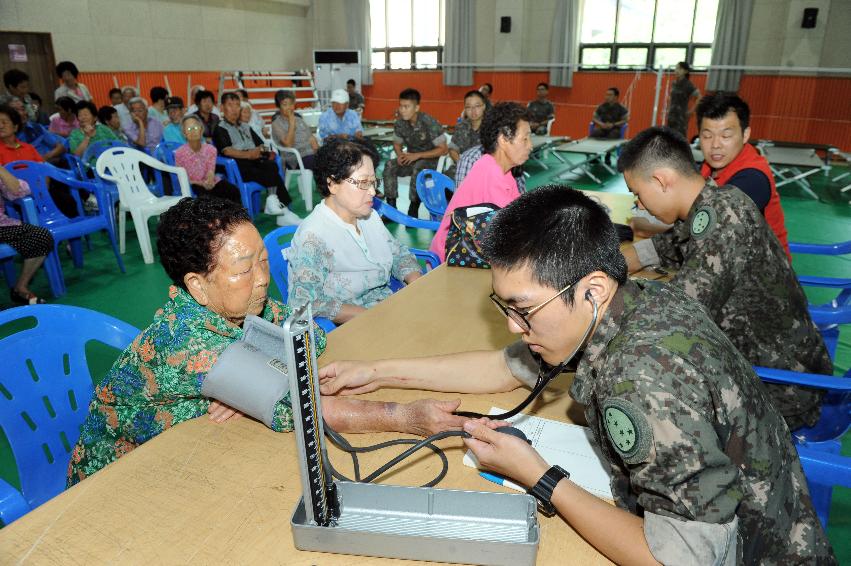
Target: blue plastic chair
[(824, 470), (7, 254), (165, 152), (825, 436), (24, 209), (46, 387), (249, 191), (431, 188), (392, 213), (61, 227)]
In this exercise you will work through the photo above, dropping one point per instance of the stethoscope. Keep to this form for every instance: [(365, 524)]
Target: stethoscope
[(543, 379)]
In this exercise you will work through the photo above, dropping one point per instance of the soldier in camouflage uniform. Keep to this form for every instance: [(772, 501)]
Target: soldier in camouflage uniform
[(703, 467), (729, 259), (609, 116), (466, 134), (541, 110), (682, 91), (424, 143)]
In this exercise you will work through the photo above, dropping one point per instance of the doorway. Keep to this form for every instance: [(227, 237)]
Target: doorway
[(39, 63)]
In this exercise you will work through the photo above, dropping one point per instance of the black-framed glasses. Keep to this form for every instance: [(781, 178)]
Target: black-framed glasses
[(365, 184), (519, 317)]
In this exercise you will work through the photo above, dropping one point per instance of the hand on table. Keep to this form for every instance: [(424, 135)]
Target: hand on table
[(507, 455), (429, 416), (219, 412), (347, 378)]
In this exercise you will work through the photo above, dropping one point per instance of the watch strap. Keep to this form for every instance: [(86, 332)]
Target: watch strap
[(543, 490)]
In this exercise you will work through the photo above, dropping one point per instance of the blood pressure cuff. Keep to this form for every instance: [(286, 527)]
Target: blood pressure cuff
[(248, 376)]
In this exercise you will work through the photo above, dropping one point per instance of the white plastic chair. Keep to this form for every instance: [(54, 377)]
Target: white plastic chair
[(550, 126), (120, 165), (305, 176)]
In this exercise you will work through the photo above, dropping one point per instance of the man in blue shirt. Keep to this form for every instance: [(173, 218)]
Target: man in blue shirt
[(338, 121), (173, 132)]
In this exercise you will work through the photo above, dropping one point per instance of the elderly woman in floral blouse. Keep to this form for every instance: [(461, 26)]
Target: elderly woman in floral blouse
[(342, 256), (220, 270)]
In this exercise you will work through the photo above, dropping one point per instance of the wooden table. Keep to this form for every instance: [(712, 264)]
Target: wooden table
[(207, 493)]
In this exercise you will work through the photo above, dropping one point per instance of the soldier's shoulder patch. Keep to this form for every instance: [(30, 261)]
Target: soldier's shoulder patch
[(628, 430), (703, 222)]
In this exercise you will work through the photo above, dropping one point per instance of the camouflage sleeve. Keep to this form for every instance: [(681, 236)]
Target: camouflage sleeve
[(521, 363), (708, 272), (398, 133), (672, 541), (668, 247), (657, 420), (435, 132)]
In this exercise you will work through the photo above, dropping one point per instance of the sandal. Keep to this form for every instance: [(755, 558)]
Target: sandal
[(25, 298)]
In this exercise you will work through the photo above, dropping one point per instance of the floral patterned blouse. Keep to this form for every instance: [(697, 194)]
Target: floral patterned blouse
[(156, 382), (197, 164)]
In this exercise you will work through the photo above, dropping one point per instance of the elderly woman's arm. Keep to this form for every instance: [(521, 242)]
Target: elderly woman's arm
[(405, 266)]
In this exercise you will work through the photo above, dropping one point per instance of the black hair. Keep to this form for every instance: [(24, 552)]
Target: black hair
[(202, 94), (545, 85), (105, 114), (615, 90), (228, 96), (282, 95), (657, 147), (35, 97), (13, 77), (158, 93), (686, 67), (490, 88), (114, 91), (559, 233), (243, 92), (410, 94), (503, 119), (67, 66), (191, 233), (12, 114), (66, 103), (88, 105), (716, 105), (351, 82), (474, 93), (338, 158)]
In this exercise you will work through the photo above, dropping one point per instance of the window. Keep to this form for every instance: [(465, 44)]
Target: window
[(407, 34), (647, 33)]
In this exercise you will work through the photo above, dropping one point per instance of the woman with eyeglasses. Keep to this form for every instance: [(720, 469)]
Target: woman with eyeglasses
[(342, 256), (199, 160)]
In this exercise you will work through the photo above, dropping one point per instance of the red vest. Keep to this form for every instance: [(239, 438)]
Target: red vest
[(749, 158)]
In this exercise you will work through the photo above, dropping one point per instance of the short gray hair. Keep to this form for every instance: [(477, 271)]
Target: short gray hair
[(137, 100), (190, 117)]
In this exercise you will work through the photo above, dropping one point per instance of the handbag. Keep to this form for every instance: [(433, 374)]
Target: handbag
[(464, 238)]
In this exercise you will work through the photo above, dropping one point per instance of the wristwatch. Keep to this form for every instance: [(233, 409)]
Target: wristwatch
[(543, 490)]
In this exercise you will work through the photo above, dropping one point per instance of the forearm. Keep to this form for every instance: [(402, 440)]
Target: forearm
[(353, 415), (467, 372), (290, 139), (633, 264), (596, 521), (432, 153), (453, 153), (55, 152), (348, 312), (397, 147), (140, 139), (82, 146), (598, 123), (237, 153)]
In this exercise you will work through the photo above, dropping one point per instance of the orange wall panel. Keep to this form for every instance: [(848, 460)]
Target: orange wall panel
[(788, 108)]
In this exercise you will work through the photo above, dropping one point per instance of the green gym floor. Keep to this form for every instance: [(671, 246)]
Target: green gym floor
[(135, 295)]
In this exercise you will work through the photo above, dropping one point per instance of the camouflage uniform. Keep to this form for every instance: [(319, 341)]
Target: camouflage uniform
[(541, 111), (609, 112), (729, 259), (681, 91), (694, 445), (463, 139), (423, 135)]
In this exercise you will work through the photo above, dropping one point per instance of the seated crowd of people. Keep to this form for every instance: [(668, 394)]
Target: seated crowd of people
[(711, 474)]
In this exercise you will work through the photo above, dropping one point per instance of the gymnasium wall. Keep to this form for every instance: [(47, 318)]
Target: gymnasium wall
[(164, 35)]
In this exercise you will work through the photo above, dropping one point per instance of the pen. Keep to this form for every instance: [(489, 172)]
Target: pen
[(499, 480)]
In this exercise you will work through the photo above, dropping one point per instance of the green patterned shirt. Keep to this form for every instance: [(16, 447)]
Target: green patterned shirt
[(156, 381)]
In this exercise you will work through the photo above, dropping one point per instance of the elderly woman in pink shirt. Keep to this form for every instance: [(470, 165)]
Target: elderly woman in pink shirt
[(199, 160), (506, 141)]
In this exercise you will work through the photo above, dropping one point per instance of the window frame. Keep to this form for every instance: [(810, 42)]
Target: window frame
[(383, 53), (651, 46)]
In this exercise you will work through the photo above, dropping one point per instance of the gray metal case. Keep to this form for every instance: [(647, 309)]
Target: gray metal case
[(439, 525)]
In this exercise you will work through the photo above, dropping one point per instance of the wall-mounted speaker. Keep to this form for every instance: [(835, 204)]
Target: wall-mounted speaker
[(505, 24), (810, 15)]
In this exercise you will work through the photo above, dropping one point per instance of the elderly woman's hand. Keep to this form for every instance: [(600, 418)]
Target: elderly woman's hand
[(429, 416), (219, 412)]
